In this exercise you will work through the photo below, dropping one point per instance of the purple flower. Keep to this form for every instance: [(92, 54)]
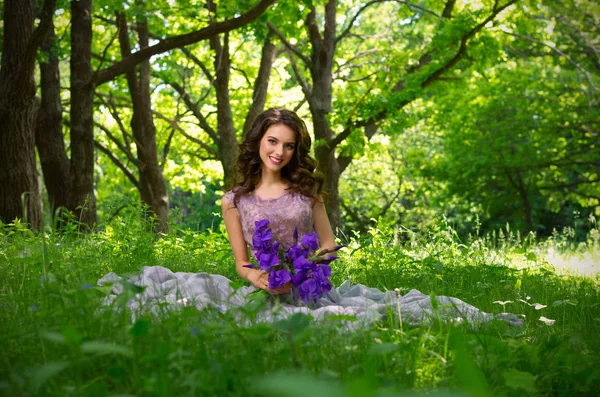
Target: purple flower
[(194, 331), (321, 275), (302, 264), (299, 278), (86, 286), (323, 271), (325, 286), (261, 224), (267, 261), (296, 251), (310, 241), (310, 278), (278, 278), (262, 240), (34, 308), (309, 290)]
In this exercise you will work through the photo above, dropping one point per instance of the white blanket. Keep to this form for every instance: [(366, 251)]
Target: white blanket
[(163, 288)]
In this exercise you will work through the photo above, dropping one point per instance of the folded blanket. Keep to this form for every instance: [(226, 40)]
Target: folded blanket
[(164, 288)]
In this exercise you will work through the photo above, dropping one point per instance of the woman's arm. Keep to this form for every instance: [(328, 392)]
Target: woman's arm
[(258, 278), (238, 245), (322, 225)]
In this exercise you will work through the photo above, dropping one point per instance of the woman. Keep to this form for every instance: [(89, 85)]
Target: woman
[(279, 184)]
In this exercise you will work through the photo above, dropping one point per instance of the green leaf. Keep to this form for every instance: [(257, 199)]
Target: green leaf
[(140, 328), (383, 348), (54, 337), (520, 380), (43, 373), (466, 370), (71, 336), (297, 385), (341, 317), (295, 323), (103, 348)]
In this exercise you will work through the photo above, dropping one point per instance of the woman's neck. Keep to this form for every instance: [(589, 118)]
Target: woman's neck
[(272, 184), (269, 179)]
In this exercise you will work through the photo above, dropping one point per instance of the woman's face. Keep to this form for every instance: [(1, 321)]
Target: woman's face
[(277, 147)]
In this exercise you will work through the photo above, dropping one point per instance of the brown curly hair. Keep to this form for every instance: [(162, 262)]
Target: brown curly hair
[(300, 171)]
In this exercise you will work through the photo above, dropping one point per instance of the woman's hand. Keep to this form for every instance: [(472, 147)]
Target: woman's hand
[(284, 289), (260, 279)]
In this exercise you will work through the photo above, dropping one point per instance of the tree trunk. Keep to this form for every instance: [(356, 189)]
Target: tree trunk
[(519, 185), (152, 182), (261, 84), (228, 143), (49, 138), (152, 186), (18, 173), (319, 102), (82, 201)]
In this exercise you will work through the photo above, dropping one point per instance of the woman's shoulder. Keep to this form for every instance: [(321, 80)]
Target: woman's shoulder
[(231, 195)]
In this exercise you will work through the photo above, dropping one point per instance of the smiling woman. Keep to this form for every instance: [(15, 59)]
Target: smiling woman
[(278, 183)]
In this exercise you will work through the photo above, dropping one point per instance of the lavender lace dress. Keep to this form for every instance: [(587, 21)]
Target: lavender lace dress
[(286, 213)]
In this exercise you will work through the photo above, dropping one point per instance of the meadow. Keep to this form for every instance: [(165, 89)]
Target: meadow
[(56, 341)]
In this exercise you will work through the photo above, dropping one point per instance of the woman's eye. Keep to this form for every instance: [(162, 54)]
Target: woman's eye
[(272, 141), (290, 147)]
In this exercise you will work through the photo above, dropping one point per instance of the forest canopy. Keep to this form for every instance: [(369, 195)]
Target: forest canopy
[(482, 113)]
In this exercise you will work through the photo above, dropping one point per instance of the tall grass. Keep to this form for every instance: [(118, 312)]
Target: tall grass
[(57, 339)]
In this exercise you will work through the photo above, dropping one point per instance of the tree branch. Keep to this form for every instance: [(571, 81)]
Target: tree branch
[(112, 108), (288, 45), (339, 138), (171, 43), (119, 144), (128, 173), (175, 125), (448, 8), (303, 84), (261, 83), (313, 29), (348, 28), (329, 40), (28, 62), (203, 123), (199, 63), (559, 52)]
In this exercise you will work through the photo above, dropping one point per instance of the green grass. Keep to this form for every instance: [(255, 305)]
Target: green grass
[(56, 341)]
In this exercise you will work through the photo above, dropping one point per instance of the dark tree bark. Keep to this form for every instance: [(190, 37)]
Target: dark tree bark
[(152, 186), (18, 173), (82, 201), (227, 144), (49, 138), (517, 182), (261, 84)]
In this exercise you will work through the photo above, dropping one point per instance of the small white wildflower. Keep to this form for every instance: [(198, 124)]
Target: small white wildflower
[(547, 321)]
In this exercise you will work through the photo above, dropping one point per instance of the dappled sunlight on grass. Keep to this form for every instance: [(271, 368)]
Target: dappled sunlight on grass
[(586, 264)]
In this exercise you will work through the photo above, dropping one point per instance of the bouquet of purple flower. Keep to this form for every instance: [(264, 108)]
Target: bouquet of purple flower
[(307, 269)]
